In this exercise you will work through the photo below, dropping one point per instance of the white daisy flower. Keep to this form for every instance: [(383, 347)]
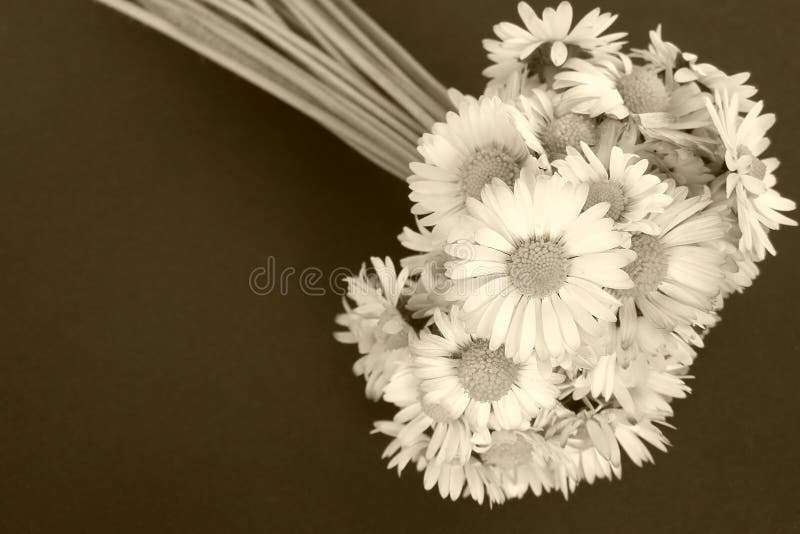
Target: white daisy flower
[(676, 345), (751, 179), (461, 155), (523, 461), (588, 438), (482, 483), (643, 386), (540, 264), (616, 87), (376, 318), (549, 128), (463, 375), (472, 479), (450, 438), (631, 193), (376, 323), (612, 86), (677, 273), (595, 440), (652, 384), (548, 41)]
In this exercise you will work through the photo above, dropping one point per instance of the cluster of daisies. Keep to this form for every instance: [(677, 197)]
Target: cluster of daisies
[(579, 227)]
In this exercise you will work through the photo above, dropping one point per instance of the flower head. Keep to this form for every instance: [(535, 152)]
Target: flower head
[(376, 323), (677, 274), (473, 146), (548, 41), (631, 193), (548, 127), (750, 180), (540, 264), (462, 374)]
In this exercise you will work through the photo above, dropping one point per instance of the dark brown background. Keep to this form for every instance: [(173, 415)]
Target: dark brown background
[(144, 388)]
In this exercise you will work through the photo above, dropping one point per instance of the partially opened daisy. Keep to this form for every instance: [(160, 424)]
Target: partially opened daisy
[(376, 323), (461, 155), (427, 245), (631, 193), (634, 436), (473, 479), (463, 376), (549, 127), (682, 165), (595, 440), (677, 275), (589, 441), (452, 478), (548, 41), (640, 337), (715, 80), (740, 271), (540, 264), (653, 382), (643, 386), (523, 461), (678, 344), (751, 179), (660, 54), (432, 289)]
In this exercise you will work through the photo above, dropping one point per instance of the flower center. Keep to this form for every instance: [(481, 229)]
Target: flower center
[(487, 163), (508, 455), (436, 411), (538, 268), (486, 375), (643, 91), (568, 130), (650, 266), (610, 192)]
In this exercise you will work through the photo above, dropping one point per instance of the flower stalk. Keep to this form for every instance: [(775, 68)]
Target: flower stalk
[(327, 59)]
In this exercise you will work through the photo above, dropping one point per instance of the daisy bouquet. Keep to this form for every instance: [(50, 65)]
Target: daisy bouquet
[(578, 228)]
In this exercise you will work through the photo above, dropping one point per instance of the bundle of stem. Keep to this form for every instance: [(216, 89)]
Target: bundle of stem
[(326, 58)]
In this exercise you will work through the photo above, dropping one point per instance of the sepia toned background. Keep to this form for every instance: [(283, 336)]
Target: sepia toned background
[(145, 388)]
